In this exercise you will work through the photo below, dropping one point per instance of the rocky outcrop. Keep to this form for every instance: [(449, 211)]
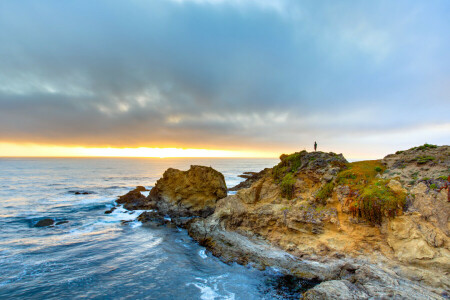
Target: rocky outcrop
[(250, 178), (188, 193), (367, 230), (134, 200), (318, 217)]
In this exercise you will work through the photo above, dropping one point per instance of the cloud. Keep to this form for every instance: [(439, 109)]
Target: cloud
[(222, 74)]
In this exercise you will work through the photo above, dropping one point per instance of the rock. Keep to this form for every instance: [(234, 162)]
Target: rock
[(61, 222), (307, 238), (188, 193), (335, 289), (110, 210), (81, 192), (141, 188), (134, 200), (396, 186), (433, 206), (250, 178), (44, 223), (153, 217)]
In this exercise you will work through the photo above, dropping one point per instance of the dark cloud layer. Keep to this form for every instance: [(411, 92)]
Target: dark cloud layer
[(224, 74)]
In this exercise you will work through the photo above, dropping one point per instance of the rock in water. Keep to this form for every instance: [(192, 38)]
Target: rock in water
[(44, 223), (141, 188), (188, 193), (134, 200)]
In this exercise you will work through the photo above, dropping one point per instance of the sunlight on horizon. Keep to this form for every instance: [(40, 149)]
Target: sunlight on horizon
[(37, 150)]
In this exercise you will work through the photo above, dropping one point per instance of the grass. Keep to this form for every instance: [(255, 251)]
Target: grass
[(443, 177), (424, 159), (370, 198), (325, 192), (283, 173), (433, 186)]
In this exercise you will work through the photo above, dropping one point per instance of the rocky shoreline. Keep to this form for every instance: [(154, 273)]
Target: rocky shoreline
[(372, 229)]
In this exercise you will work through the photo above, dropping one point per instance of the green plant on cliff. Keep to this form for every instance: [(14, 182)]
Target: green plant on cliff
[(325, 192), (370, 198), (377, 200), (424, 147), (424, 159), (289, 164), (287, 186)]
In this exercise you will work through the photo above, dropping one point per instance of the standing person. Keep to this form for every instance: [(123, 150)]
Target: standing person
[(447, 186), (315, 146)]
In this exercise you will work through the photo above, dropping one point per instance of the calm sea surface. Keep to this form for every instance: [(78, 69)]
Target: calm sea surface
[(93, 255)]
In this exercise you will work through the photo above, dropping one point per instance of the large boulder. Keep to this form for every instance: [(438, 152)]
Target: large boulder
[(188, 193)]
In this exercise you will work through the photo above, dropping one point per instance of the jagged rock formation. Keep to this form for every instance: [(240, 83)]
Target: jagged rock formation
[(134, 200), (364, 233), (250, 178), (371, 229)]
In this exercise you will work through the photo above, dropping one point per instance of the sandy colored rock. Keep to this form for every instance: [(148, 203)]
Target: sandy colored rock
[(188, 193), (355, 258)]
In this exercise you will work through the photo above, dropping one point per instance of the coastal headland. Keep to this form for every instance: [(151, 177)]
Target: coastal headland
[(367, 229)]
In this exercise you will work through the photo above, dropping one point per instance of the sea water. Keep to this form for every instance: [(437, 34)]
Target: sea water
[(96, 256)]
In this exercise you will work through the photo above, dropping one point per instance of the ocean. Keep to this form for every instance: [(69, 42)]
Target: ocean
[(92, 255)]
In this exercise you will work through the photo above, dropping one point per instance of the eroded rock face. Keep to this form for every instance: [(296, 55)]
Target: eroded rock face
[(188, 193), (353, 257)]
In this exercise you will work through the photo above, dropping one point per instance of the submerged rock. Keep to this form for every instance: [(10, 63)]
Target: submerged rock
[(188, 193), (44, 223)]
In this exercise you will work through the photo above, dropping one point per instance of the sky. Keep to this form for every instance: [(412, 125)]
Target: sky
[(230, 77)]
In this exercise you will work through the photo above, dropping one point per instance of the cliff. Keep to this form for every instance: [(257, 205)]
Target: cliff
[(368, 229)]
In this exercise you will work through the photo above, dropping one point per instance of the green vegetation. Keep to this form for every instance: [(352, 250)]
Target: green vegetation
[(378, 200), (325, 192), (287, 186), (370, 198), (433, 186), (289, 164), (426, 178), (443, 177), (424, 159), (399, 152), (424, 147), (378, 169)]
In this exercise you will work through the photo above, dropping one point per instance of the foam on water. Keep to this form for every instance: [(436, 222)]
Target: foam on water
[(94, 255)]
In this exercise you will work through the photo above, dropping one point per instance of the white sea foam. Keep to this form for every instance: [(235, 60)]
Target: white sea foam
[(209, 288), (202, 253)]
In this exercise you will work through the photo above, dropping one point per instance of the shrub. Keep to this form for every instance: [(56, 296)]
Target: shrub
[(424, 147), (399, 152), (325, 192), (378, 200), (370, 198), (443, 177), (287, 186), (424, 159), (433, 186), (378, 169)]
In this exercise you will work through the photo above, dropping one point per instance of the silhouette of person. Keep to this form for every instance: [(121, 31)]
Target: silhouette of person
[(447, 186), (315, 146)]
